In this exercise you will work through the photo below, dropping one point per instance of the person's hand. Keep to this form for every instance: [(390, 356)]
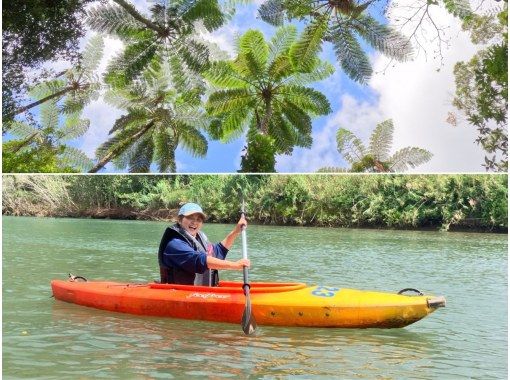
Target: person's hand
[(242, 222), (243, 263)]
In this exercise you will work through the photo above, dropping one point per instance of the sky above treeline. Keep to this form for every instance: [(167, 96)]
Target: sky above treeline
[(417, 95)]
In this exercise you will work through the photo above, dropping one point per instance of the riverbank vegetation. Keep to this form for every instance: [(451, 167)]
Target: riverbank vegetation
[(447, 202)]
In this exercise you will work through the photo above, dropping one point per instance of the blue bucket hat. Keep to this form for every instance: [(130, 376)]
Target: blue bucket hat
[(191, 208)]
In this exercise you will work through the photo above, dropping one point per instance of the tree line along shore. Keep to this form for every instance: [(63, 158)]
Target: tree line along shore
[(438, 202)]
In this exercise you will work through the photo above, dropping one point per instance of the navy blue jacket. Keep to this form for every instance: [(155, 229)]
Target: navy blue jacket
[(180, 260)]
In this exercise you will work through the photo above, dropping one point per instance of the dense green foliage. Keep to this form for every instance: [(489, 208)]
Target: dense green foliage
[(33, 32), (379, 201), (482, 87)]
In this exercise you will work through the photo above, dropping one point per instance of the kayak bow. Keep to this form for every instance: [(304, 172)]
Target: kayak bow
[(277, 304)]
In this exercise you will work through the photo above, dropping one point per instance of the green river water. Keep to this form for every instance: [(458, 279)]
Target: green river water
[(46, 338)]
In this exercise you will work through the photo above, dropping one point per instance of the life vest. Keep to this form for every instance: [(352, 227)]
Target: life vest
[(174, 275)]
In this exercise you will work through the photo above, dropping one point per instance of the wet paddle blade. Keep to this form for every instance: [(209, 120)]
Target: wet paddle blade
[(248, 322)]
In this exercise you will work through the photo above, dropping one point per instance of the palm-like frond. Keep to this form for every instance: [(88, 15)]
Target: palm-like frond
[(281, 42), (272, 12), (322, 71), (381, 140), (382, 37), (49, 115), (73, 128), (165, 145), (349, 53), (208, 11), (75, 158), (228, 100), (253, 54), (141, 155), (192, 140), (92, 54), (308, 99), (408, 157), (350, 146), (114, 20), (47, 88), (304, 52), (223, 75), (22, 130)]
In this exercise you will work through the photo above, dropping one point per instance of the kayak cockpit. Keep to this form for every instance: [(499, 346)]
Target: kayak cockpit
[(236, 287)]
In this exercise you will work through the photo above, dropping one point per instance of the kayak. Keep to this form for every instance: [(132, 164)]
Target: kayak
[(277, 304)]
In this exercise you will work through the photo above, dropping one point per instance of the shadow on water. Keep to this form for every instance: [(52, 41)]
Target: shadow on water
[(162, 347)]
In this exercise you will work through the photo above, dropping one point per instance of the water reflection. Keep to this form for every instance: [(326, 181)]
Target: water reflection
[(173, 346)]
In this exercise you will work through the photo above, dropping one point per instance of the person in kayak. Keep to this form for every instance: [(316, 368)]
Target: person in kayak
[(185, 255)]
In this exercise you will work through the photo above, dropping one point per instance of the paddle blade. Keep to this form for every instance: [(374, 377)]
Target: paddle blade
[(248, 322)]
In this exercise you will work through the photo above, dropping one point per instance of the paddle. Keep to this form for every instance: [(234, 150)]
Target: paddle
[(248, 322)]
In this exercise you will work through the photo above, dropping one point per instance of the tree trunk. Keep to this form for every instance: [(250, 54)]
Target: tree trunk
[(24, 143), (137, 16), (43, 100), (114, 153)]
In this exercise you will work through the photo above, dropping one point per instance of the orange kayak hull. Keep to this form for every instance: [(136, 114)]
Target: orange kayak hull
[(278, 304)]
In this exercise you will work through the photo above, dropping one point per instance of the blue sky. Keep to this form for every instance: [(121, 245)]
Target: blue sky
[(417, 95)]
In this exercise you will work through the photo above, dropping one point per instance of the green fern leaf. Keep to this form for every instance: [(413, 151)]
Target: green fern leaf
[(458, 8), (92, 54), (281, 42), (308, 99), (75, 158), (192, 141), (348, 51), (383, 38), (304, 51), (228, 100), (22, 130), (408, 157), (272, 12), (381, 140), (112, 19), (350, 146)]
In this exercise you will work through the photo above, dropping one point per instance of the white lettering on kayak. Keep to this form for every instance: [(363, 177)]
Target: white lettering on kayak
[(208, 295)]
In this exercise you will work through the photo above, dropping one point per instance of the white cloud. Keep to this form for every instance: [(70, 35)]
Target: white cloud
[(417, 95), (358, 116)]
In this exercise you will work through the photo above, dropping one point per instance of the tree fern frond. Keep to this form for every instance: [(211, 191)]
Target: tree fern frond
[(192, 141), (253, 52), (408, 157), (321, 72), (281, 42), (130, 63), (303, 52), (280, 68), (74, 127), (381, 140), (282, 133), (228, 100), (308, 99), (382, 37), (299, 119), (164, 150), (272, 12), (352, 58), (49, 115), (195, 54), (350, 146), (75, 158), (221, 74), (208, 11), (231, 126), (92, 54), (22, 130), (112, 19), (141, 156), (47, 88)]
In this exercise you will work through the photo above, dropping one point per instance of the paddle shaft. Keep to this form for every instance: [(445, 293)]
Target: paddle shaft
[(245, 252)]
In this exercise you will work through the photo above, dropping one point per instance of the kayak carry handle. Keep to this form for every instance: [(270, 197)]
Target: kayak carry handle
[(410, 290)]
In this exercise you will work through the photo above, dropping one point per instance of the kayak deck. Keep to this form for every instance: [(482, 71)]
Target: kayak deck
[(279, 304)]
